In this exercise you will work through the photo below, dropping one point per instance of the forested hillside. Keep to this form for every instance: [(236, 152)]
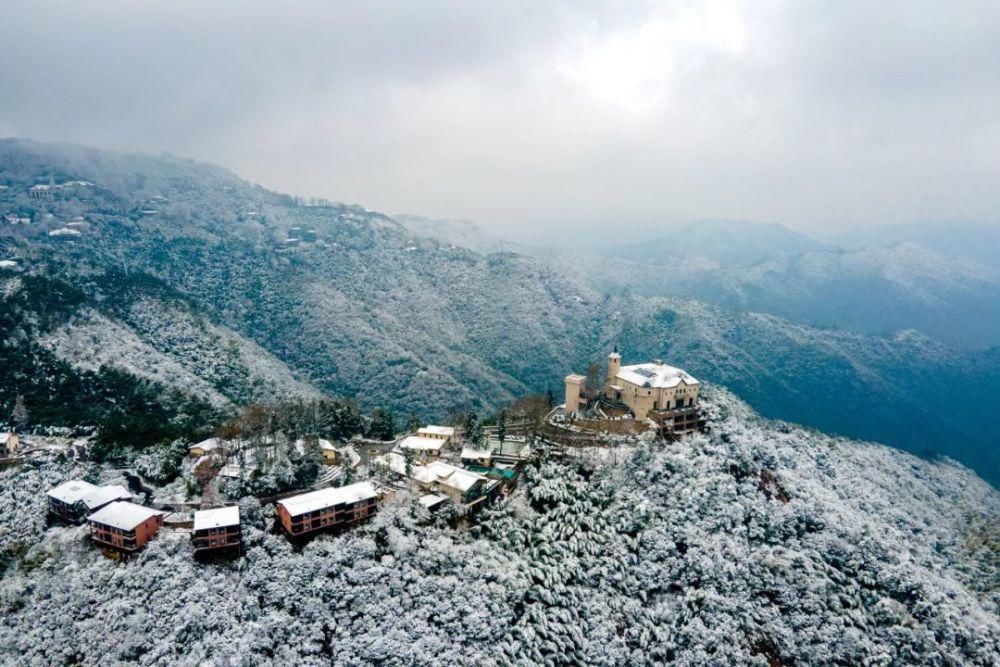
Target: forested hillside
[(759, 543), (313, 296)]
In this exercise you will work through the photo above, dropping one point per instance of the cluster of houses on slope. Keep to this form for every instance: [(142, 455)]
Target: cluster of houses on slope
[(122, 525), (236, 456), (471, 477), (433, 462), (119, 524)]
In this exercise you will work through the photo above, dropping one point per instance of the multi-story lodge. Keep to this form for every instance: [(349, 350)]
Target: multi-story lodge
[(216, 529), (667, 395), (327, 508), (75, 499), (125, 526)]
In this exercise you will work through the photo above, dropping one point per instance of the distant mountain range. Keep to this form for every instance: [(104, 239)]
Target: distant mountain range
[(250, 286)]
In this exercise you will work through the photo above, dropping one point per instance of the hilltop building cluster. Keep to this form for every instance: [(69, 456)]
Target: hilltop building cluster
[(654, 391), (435, 462), (119, 524)]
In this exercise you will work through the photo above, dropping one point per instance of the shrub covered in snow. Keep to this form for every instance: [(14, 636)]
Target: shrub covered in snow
[(759, 543)]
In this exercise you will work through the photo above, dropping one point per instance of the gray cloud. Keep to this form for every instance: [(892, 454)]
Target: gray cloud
[(538, 118)]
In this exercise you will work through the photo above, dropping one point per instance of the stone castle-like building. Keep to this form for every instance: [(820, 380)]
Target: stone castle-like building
[(651, 390)]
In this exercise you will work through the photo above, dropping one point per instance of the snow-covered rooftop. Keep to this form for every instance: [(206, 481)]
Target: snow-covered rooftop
[(431, 429), (422, 443), (91, 495), (300, 445), (207, 445), (317, 500), (123, 515), (217, 518), (65, 231), (432, 500), (72, 491), (106, 494), (444, 473), (395, 462), (656, 376), (472, 453)]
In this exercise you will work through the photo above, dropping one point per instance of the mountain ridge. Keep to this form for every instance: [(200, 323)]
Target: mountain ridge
[(356, 305)]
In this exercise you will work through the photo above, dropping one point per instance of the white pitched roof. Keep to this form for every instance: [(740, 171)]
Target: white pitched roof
[(444, 473), (300, 445), (123, 515), (217, 518), (207, 445), (105, 494), (472, 453), (77, 490), (431, 499), (421, 443), (657, 376), (317, 500), (431, 429), (72, 491), (395, 462)]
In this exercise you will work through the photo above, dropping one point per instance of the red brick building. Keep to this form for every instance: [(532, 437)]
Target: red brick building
[(125, 526), (327, 508)]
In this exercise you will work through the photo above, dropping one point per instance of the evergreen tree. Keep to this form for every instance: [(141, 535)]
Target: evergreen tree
[(408, 460), (473, 428), (19, 416), (413, 424), (307, 465), (382, 427), (502, 426), (347, 474)]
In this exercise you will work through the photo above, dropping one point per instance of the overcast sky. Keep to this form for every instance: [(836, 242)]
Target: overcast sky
[(538, 118)]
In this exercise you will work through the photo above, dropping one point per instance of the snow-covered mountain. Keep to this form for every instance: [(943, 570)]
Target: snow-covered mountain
[(352, 303), (759, 543), (462, 233), (874, 290)]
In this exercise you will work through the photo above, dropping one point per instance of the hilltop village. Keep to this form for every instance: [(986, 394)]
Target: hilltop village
[(454, 471)]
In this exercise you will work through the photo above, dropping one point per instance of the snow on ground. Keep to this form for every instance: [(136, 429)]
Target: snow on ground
[(757, 543), (178, 349)]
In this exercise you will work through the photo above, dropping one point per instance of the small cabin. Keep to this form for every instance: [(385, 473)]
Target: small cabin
[(331, 456), (477, 457), (74, 500), (8, 444), (327, 508), (216, 529), (125, 526), (433, 502), (204, 448)]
